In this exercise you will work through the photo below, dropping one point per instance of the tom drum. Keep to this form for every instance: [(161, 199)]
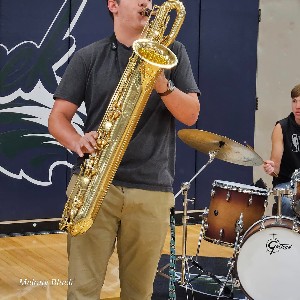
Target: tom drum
[(228, 201)]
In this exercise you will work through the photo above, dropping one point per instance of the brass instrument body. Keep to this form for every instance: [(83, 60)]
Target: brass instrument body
[(150, 56)]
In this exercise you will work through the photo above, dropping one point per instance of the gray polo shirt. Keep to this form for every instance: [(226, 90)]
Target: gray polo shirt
[(92, 76)]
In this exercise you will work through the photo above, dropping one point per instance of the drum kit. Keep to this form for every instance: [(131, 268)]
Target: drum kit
[(266, 250)]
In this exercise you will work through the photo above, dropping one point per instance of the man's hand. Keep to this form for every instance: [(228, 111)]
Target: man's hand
[(86, 143), (269, 168)]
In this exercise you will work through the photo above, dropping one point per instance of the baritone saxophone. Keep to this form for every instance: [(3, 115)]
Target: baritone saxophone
[(150, 56)]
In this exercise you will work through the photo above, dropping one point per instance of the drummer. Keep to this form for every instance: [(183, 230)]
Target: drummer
[(285, 154)]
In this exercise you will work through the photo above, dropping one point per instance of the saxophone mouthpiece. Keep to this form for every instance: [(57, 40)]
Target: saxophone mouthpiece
[(147, 12)]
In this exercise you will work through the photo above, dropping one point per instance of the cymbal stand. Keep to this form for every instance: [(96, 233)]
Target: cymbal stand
[(184, 190), (212, 155)]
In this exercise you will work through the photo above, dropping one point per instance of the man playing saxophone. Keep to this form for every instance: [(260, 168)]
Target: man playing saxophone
[(135, 212)]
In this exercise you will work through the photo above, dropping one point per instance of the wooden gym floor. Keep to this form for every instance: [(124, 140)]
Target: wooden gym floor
[(35, 267)]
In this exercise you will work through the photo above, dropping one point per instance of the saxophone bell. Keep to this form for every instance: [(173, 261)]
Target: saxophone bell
[(155, 54)]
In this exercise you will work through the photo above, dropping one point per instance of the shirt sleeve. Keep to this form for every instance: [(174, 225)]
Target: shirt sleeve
[(73, 82), (182, 75)]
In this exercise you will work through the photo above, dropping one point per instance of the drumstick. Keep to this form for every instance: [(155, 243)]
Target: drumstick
[(274, 174)]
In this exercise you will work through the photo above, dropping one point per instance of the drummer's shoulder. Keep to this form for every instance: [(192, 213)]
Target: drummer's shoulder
[(277, 131), (282, 122)]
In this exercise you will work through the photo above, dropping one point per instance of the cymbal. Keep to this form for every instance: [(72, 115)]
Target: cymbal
[(227, 150)]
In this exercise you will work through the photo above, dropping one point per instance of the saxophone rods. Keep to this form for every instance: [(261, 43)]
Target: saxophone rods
[(150, 56)]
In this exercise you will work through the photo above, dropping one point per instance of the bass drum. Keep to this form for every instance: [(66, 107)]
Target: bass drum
[(269, 258)]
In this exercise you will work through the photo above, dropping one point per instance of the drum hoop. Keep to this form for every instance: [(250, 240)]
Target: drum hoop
[(233, 187), (218, 242), (241, 285), (281, 225)]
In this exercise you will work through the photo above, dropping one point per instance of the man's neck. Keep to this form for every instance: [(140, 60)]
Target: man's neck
[(126, 38)]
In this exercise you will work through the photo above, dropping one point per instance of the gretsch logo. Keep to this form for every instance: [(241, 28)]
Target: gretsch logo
[(274, 245)]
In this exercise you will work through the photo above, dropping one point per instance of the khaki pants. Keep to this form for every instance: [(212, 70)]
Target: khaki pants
[(139, 221)]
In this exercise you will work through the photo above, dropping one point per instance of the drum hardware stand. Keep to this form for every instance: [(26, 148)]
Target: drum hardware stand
[(290, 193), (195, 262), (212, 155), (184, 264), (172, 268), (202, 231), (280, 193), (184, 190), (184, 281), (239, 229)]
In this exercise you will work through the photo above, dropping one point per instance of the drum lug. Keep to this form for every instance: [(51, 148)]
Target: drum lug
[(262, 224), (228, 196), (204, 219), (250, 201), (221, 234), (266, 203), (295, 225), (205, 214), (212, 193), (236, 283), (239, 226), (278, 219)]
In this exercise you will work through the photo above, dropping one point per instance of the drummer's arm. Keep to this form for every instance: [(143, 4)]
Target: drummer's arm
[(273, 165)]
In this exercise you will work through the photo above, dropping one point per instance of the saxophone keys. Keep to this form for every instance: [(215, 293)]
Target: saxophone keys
[(85, 182), (100, 134), (114, 114), (81, 226), (73, 213), (111, 115), (118, 105), (77, 203), (94, 172), (117, 114), (107, 126), (101, 144)]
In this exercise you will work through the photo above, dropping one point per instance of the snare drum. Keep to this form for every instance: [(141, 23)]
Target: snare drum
[(228, 201), (268, 262), (295, 184)]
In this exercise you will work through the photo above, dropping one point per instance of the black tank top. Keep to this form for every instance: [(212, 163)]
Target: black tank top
[(291, 154)]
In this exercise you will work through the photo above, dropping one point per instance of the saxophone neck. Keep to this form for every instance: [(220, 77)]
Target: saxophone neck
[(157, 26), (147, 12)]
